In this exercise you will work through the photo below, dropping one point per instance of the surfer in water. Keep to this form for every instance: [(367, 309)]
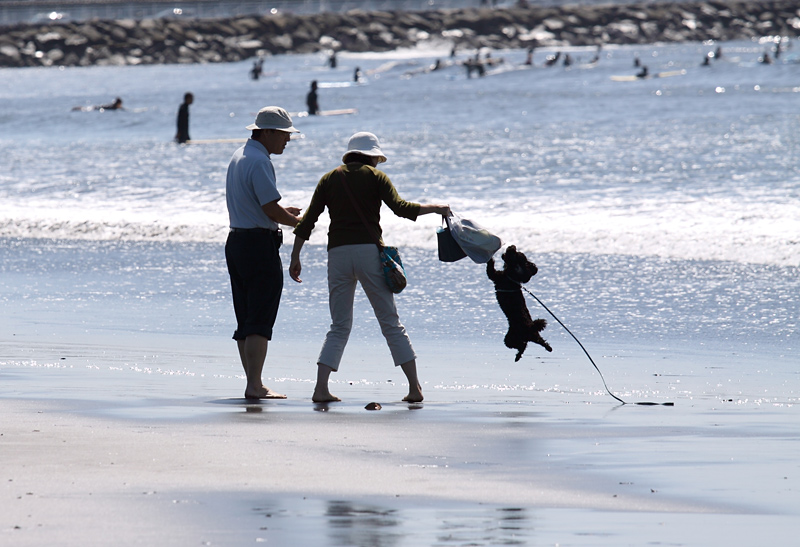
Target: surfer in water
[(116, 105), (182, 134), (311, 100), (257, 70), (643, 73), (529, 57)]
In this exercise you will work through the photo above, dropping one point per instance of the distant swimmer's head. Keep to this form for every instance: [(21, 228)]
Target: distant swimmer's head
[(273, 117), (364, 144)]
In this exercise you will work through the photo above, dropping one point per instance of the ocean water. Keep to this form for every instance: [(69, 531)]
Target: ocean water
[(662, 213)]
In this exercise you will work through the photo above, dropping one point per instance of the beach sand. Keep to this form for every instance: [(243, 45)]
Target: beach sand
[(103, 442)]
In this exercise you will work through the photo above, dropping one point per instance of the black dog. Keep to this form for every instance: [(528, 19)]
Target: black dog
[(508, 288)]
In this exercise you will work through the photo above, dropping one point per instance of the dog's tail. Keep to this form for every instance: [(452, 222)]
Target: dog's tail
[(539, 324)]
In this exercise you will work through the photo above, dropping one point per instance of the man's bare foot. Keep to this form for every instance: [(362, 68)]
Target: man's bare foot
[(324, 397), (414, 396), (263, 393)]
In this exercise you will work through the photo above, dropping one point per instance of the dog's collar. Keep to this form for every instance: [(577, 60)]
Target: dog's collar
[(509, 278)]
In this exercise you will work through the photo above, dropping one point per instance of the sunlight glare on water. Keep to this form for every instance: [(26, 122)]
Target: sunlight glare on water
[(555, 159)]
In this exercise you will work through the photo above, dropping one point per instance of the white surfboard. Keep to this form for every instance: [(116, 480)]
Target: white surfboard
[(340, 112), (330, 85), (633, 77), (215, 141)]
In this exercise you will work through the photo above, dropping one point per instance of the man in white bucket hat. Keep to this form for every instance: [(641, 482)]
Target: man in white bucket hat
[(353, 194), (251, 251)]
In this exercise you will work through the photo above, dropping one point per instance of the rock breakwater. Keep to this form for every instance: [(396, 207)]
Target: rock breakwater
[(152, 41)]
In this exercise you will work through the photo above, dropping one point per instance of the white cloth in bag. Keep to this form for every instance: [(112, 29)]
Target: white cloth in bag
[(479, 244)]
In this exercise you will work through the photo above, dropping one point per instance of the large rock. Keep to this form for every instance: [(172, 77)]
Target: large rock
[(151, 41)]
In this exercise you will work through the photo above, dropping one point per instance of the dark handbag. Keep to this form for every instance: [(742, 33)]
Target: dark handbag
[(393, 270), (449, 249)]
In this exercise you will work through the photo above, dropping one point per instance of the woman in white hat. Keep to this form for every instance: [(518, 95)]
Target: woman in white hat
[(353, 194)]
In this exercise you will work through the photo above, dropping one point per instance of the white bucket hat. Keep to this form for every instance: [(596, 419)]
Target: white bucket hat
[(273, 117), (364, 143)]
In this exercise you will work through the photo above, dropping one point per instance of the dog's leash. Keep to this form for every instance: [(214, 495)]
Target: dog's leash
[(587, 353)]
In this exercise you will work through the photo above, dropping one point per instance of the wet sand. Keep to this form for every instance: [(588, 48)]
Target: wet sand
[(103, 442)]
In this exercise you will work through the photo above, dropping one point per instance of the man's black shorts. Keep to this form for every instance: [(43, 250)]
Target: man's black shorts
[(256, 272)]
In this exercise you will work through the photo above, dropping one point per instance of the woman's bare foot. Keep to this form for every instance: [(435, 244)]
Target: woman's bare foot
[(324, 396), (414, 389), (321, 392), (263, 393)]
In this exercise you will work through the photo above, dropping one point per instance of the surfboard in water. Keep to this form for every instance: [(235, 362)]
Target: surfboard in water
[(215, 141), (633, 78), (331, 85), (340, 112), (507, 67)]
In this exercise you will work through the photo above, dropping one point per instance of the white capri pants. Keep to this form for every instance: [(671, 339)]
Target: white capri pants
[(348, 264)]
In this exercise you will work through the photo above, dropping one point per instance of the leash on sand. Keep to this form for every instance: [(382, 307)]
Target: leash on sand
[(589, 356)]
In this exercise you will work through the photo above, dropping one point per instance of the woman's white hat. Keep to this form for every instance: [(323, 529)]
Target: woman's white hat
[(273, 117), (364, 143)]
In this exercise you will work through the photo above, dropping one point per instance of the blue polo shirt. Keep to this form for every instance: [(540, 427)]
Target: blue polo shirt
[(250, 183)]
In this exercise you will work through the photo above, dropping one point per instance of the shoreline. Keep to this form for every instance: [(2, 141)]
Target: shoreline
[(165, 41)]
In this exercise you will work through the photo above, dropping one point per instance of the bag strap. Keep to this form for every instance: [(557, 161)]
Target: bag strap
[(446, 222), (369, 228)]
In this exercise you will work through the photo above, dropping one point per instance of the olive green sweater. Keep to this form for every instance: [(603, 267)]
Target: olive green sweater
[(370, 187)]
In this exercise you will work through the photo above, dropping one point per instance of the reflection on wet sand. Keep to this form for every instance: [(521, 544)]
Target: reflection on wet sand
[(489, 526), (255, 409), (364, 524)]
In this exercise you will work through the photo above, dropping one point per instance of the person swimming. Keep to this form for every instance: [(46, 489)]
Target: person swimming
[(116, 105), (552, 59)]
